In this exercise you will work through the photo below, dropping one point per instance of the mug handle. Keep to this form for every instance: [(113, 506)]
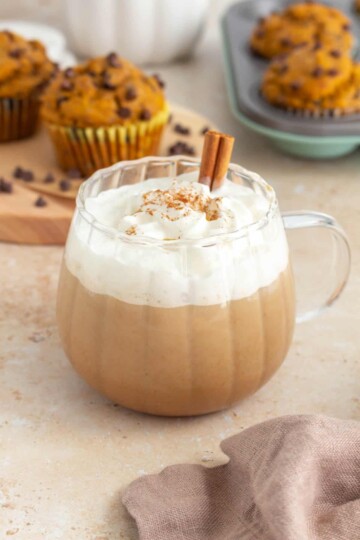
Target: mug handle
[(341, 252)]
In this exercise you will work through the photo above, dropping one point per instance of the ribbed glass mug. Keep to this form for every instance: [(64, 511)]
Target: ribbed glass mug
[(181, 327)]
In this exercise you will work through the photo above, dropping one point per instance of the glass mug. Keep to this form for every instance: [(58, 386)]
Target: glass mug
[(181, 327)]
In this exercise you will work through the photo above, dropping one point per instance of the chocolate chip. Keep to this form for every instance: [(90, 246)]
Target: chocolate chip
[(69, 73), (18, 172), (317, 72), (182, 130), (332, 72), (181, 147), (260, 33), (16, 53), (204, 130), (61, 100), (108, 84), (5, 186), (10, 35), (66, 85), (295, 86), (73, 173), (170, 119), (40, 202), (131, 93), (113, 60), (145, 114), (124, 112), (346, 27), (159, 80), (286, 42), (27, 176), (65, 185), (49, 179), (283, 69), (335, 53)]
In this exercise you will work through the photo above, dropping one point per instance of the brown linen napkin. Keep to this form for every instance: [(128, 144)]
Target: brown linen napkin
[(292, 478)]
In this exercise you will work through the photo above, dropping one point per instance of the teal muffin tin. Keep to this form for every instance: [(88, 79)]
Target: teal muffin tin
[(317, 138)]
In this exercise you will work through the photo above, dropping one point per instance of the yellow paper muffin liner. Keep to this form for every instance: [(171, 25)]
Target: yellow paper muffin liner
[(18, 117), (90, 149)]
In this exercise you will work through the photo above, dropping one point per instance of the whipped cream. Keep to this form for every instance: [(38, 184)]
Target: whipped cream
[(176, 275), (181, 208)]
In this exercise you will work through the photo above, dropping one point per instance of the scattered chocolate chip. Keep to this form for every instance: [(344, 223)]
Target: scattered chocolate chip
[(295, 86), (49, 179), (317, 72), (16, 53), (65, 185), (131, 93), (261, 20), (182, 130), (73, 173), (66, 85), (40, 202), (332, 72), (286, 42), (5, 186), (61, 100), (145, 114), (69, 72), (335, 53), (18, 172), (346, 27), (124, 112), (204, 130), (181, 147), (27, 176), (170, 119), (159, 80), (113, 60), (260, 33)]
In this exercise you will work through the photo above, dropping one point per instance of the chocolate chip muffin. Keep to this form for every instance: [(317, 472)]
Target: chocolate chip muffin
[(24, 70), (314, 79), (301, 24), (104, 111)]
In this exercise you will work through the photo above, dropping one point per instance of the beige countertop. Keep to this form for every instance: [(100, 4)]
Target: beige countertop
[(66, 453)]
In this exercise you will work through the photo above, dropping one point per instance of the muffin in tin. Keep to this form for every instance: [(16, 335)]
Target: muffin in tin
[(24, 70), (313, 79), (104, 111), (300, 24)]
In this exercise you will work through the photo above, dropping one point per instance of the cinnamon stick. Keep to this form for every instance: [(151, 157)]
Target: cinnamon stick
[(215, 158)]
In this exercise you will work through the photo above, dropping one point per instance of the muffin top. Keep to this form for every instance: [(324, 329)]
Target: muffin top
[(301, 24), (346, 99), (302, 78), (102, 92), (24, 65)]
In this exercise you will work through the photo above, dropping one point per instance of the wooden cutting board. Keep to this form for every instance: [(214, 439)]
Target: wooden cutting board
[(24, 223)]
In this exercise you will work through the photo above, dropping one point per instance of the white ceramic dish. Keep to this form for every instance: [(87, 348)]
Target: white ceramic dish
[(144, 31)]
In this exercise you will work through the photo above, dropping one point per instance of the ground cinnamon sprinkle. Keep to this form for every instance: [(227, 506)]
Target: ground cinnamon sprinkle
[(182, 199), (131, 231)]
